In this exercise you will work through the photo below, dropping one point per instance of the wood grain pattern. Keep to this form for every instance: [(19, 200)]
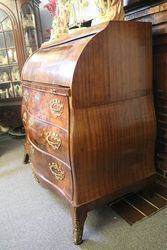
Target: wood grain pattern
[(104, 81), (41, 105), (156, 13), (41, 161), (116, 162), (48, 138)]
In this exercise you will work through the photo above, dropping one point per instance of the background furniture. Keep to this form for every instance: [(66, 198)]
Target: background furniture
[(20, 36), (156, 12), (89, 116)]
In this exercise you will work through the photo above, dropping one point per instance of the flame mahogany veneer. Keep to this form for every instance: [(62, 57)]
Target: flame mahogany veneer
[(89, 115)]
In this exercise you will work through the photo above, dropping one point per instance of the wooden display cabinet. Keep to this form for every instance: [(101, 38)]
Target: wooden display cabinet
[(20, 36)]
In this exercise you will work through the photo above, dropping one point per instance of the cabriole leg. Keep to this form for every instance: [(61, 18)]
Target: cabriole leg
[(78, 219)]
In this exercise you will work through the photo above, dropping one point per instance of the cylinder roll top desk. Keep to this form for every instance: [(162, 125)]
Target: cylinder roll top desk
[(89, 115)]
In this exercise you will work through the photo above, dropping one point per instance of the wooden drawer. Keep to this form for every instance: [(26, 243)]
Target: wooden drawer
[(54, 171), (47, 137), (47, 106)]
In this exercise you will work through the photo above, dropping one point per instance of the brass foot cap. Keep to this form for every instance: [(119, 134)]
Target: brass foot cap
[(78, 242)]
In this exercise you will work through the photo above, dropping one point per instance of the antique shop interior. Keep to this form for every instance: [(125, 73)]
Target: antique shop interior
[(83, 124)]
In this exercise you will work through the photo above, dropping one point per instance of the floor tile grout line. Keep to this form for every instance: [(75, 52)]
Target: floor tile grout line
[(148, 201), (135, 208), (160, 196)]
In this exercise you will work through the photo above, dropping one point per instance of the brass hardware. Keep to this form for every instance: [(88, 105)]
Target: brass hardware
[(25, 95), (56, 107), (27, 121), (35, 176), (53, 91), (31, 121), (32, 150), (42, 132), (57, 171), (53, 139), (25, 117), (26, 144), (77, 233)]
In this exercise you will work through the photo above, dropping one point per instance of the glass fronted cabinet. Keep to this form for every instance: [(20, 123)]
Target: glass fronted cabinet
[(20, 36), (29, 29), (9, 69)]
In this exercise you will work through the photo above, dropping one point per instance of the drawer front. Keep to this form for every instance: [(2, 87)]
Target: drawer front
[(52, 170), (48, 138), (46, 106)]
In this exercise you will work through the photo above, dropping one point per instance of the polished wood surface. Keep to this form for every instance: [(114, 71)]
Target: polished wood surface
[(95, 94), (43, 105), (49, 138), (42, 163), (156, 13)]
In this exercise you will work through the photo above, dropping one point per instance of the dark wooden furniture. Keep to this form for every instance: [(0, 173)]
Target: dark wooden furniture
[(20, 35), (156, 12), (89, 115)]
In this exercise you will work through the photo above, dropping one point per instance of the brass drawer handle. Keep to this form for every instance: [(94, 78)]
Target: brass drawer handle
[(53, 139), (56, 107), (57, 171)]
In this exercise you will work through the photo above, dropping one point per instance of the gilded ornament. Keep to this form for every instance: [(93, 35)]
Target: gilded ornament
[(25, 117), (35, 176), (31, 121), (32, 150), (56, 107), (57, 171), (77, 233), (53, 139)]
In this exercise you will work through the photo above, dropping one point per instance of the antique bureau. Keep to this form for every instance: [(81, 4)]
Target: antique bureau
[(89, 115)]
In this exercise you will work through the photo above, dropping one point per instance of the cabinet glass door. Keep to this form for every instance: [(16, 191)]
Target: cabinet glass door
[(29, 28), (9, 70)]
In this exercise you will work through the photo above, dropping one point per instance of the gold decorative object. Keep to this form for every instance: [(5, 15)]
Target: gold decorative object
[(32, 150), (35, 176), (77, 233), (109, 10), (27, 145), (25, 117), (56, 107), (57, 171), (53, 139), (25, 95), (31, 121)]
